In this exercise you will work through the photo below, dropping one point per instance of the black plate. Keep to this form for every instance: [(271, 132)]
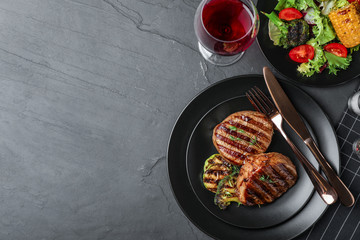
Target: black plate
[(280, 60), (177, 153), (201, 147)]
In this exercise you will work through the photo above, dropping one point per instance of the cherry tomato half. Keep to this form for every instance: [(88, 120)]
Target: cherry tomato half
[(302, 53), (336, 49), (350, 1), (289, 14)]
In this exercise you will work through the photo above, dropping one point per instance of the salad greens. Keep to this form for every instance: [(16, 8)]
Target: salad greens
[(336, 63), (277, 30), (315, 65), (322, 33)]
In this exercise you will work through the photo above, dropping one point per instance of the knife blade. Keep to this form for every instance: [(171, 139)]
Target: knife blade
[(292, 117)]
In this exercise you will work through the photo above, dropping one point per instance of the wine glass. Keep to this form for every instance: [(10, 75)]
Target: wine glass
[(225, 29)]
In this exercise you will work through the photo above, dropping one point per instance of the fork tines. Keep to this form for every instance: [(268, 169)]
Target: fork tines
[(260, 101)]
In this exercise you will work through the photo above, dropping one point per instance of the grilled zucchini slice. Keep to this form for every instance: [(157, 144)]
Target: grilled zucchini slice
[(215, 169)]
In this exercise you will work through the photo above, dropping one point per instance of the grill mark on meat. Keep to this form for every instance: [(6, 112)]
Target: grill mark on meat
[(232, 153), (262, 190), (264, 178), (252, 135), (258, 142), (286, 175), (254, 195), (270, 186), (289, 175), (259, 121), (263, 129), (237, 145), (249, 201), (234, 133), (255, 121), (276, 176)]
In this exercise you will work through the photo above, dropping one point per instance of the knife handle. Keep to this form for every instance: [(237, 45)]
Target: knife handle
[(324, 189), (345, 196)]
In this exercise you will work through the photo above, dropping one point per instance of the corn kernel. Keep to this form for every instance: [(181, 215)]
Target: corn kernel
[(346, 22)]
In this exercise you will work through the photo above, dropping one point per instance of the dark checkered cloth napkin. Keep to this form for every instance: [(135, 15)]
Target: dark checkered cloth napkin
[(340, 222)]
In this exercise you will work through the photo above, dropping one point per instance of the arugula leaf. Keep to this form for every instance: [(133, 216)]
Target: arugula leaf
[(336, 63)]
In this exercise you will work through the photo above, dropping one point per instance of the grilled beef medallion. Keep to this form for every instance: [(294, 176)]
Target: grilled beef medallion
[(241, 134), (264, 178)]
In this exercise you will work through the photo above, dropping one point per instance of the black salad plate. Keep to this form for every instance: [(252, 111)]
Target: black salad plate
[(189, 141), (280, 60)]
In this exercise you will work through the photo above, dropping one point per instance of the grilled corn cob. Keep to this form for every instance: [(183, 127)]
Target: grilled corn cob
[(346, 22)]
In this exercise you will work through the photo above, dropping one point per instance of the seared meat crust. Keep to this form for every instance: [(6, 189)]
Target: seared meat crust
[(241, 134), (264, 178)]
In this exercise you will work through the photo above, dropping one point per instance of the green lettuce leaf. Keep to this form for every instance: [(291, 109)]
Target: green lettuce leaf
[(354, 49), (277, 30), (327, 6), (336, 63), (275, 34), (298, 4), (328, 34), (322, 30), (273, 17), (282, 4), (341, 3), (313, 66)]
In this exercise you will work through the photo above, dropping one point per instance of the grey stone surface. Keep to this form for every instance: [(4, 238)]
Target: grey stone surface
[(89, 92)]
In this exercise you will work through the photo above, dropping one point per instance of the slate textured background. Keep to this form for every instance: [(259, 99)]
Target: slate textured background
[(89, 92)]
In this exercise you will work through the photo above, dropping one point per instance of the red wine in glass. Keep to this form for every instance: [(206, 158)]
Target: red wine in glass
[(226, 27)]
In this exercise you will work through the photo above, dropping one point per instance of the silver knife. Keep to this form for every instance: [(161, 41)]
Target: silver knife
[(292, 117)]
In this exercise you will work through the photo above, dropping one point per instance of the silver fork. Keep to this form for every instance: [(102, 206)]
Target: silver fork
[(263, 104)]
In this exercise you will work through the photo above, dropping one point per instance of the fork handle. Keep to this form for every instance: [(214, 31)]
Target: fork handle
[(325, 190), (345, 195)]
